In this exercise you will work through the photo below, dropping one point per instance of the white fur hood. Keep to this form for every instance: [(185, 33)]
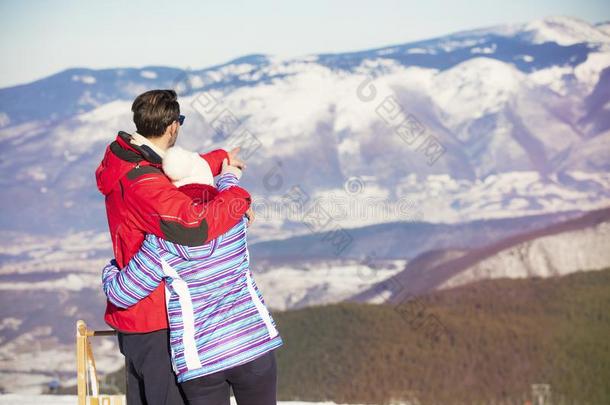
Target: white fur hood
[(185, 167)]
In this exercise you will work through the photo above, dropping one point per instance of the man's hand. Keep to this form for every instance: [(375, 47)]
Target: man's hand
[(227, 168), (234, 160), (250, 216)]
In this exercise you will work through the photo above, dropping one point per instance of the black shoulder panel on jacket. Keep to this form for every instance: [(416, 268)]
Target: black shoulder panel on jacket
[(125, 154), (189, 236), (141, 171)]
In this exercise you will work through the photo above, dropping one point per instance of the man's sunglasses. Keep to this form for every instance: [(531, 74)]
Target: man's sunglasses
[(180, 119)]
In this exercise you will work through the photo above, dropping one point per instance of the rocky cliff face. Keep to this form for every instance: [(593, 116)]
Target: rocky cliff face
[(573, 245), (553, 255)]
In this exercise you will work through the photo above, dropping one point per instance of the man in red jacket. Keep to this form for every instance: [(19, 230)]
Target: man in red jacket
[(140, 199)]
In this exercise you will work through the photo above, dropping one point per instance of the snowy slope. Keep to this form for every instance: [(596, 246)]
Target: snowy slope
[(565, 31)]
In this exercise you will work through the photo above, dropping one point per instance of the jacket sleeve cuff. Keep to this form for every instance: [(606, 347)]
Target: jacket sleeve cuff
[(226, 181), (214, 159)]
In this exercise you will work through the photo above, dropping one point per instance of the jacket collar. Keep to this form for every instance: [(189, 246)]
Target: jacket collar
[(126, 150), (141, 140)]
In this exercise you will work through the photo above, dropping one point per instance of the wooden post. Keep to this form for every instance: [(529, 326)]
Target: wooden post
[(81, 362), (94, 381)]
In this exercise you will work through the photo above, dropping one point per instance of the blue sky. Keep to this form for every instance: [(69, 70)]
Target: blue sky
[(38, 38)]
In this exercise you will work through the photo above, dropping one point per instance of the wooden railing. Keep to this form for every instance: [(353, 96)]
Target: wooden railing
[(88, 383)]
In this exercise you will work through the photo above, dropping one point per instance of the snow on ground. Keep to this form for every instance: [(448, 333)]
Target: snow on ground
[(37, 399), (71, 400)]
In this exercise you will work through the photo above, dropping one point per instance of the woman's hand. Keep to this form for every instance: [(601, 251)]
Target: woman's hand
[(250, 216)]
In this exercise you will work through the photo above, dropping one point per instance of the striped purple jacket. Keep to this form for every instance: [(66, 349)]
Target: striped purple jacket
[(217, 316)]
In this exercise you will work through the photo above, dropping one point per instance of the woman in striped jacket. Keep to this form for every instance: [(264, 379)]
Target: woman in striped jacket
[(221, 333)]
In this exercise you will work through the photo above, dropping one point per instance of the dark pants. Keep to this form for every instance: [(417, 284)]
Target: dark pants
[(253, 383), (150, 377)]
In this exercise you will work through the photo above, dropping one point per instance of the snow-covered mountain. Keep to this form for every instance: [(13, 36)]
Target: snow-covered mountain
[(519, 113)]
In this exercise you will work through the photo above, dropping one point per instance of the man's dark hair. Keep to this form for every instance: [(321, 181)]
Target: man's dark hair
[(154, 110)]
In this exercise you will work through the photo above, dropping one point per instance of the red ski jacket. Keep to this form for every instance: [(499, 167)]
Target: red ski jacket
[(140, 199)]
